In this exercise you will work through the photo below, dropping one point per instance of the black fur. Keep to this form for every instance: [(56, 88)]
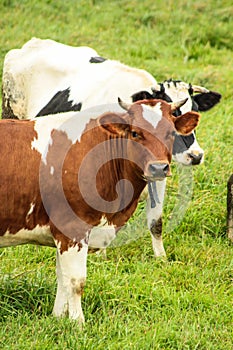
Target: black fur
[(142, 95), (182, 143), (59, 103), (97, 59), (206, 101)]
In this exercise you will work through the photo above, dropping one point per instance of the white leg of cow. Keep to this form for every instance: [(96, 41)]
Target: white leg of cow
[(61, 301), (71, 275), (154, 220)]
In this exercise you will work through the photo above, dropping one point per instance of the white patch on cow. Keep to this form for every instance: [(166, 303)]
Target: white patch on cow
[(66, 122), (102, 235), (184, 157), (32, 206), (155, 214), (40, 235), (102, 83), (152, 114), (71, 277), (178, 92), (51, 170), (72, 123)]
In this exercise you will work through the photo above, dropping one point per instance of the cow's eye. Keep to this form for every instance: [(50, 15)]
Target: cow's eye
[(134, 134)]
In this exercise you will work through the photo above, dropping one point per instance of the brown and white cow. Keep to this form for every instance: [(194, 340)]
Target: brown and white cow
[(60, 179)]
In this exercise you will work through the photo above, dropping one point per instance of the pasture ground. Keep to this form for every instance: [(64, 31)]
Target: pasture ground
[(131, 300)]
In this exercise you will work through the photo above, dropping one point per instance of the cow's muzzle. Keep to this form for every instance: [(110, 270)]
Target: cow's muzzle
[(196, 158), (157, 171)]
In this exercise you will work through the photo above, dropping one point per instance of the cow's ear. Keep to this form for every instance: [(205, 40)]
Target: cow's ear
[(113, 123), (206, 101), (186, 123)]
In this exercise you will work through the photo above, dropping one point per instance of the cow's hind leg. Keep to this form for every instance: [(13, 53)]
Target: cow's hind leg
[(71, 277), (154, 219)]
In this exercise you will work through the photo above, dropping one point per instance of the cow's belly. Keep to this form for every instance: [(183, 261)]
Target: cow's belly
[(40, 235), (102, 235)]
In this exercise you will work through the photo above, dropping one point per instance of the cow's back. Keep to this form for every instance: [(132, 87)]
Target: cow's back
[(47, 66)]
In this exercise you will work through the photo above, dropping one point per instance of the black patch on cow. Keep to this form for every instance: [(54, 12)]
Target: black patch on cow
[(97, 59), (182, 143), (174, 82), (206, 101), (145, 95), (60, 103), (141, 95), (156, 228)]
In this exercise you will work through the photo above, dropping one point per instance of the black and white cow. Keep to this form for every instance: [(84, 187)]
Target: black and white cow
[(45, 77)]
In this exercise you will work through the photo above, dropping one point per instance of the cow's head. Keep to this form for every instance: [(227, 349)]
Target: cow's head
[(151, 127), (186, 149)]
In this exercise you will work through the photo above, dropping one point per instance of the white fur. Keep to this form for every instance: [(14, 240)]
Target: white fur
[(152, 114), (51, 170), (155, 214), (102, 235), (39, 235), (177, 93), (32, 206)]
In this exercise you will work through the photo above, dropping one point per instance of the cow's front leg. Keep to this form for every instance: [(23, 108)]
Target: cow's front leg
[(71, 277), (154, 219)]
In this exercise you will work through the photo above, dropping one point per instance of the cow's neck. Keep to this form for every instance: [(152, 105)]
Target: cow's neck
[(120, 182)]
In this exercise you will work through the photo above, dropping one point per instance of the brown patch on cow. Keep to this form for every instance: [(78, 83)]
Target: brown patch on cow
[(156, 228), (60, 191), (19, 186), (78, 286)]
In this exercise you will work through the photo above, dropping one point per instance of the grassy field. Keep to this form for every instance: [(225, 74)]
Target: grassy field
[(131, 300)]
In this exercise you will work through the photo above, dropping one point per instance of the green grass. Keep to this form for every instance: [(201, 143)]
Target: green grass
[(132, 301)]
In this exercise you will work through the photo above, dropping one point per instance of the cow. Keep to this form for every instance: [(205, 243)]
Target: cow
[(60, 179), (45, 77)]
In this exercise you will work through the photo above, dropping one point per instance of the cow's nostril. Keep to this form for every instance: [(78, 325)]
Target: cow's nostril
[(195, 158)]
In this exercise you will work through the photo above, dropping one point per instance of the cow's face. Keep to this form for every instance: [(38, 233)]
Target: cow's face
[(186, 149), (150, 135)]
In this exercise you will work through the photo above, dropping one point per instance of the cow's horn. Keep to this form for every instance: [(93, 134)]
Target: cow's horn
[(178, 104), (124, 105), (197, 88)]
